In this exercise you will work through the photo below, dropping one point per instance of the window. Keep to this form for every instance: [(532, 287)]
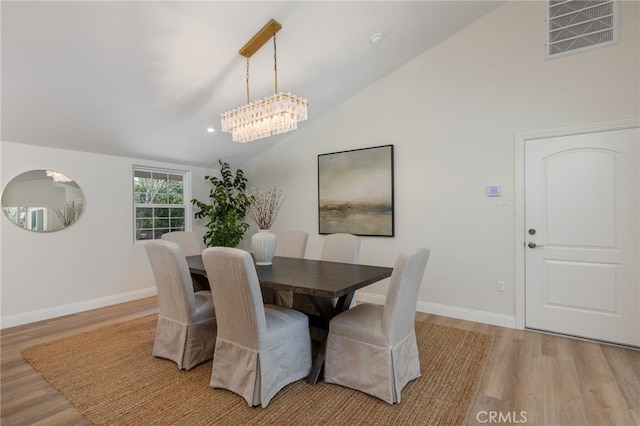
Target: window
[(160, 201)]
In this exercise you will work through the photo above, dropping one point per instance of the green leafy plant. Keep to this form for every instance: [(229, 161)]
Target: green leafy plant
[(227, 208)]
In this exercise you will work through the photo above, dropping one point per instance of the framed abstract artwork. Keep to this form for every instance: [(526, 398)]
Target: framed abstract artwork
[(355, 192)]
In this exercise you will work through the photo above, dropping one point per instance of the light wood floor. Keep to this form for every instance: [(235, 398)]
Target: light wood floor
[(531, 378)]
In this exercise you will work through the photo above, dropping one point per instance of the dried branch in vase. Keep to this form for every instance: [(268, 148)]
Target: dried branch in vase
[(68, 214), (265, 205)]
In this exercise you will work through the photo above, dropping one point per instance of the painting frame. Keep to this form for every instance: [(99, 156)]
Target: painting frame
[(356, 192)]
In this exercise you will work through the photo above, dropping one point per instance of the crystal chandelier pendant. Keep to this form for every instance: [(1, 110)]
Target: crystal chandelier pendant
[(278, 113), (275, 114)]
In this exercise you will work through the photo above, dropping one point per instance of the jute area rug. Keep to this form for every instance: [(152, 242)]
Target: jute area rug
[(112, 379)]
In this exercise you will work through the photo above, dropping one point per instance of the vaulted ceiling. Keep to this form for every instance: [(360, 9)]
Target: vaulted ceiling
[(146, 79)]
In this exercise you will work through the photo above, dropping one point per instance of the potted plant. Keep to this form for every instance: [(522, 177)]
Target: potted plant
[(263, 210), (227, 208)]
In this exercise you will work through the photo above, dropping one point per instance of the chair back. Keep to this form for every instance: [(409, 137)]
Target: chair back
[(344, 248), (175, 291), (402, 296), (291, 244), (236, 295), (188, 241)]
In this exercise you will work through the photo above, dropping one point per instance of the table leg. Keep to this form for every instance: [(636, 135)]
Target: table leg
[(327, 311), (344, 302), (324, 307), (200, 282), (317, 369)]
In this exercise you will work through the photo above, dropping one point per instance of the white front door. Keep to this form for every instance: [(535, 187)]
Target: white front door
[(582, 225)]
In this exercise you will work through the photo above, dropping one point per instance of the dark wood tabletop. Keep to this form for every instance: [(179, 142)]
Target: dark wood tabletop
[(321, 281), (312, 277)]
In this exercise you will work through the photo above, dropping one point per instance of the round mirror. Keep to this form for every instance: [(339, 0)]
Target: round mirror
[(42, 201)]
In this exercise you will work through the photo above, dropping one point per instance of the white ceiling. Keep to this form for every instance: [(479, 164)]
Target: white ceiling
[(145, 79)]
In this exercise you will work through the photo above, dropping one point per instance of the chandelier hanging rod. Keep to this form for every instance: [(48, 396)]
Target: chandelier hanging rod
[(257, 41), (261, 37)]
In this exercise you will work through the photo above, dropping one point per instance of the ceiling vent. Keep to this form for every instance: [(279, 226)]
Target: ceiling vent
[(575, 26)]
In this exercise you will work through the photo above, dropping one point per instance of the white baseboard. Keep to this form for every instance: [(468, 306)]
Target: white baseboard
[(74, 308), (448, 311)]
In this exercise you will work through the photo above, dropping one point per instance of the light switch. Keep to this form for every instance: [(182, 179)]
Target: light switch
[(493, 191)]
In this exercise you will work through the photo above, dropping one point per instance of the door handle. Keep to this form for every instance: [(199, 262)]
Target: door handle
[(534, 245)]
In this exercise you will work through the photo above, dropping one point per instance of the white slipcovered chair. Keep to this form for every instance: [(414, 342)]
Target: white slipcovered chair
[(186, 329), (259, 348), (344, 248), (373, 348), (340, 247), (289, 244), (191, 245), (188, 241)]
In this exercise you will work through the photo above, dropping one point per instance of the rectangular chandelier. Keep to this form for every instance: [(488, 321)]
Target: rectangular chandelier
[(275, 114), (278, 113)]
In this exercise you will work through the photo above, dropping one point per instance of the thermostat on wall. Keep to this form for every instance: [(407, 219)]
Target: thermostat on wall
[(493, 191)]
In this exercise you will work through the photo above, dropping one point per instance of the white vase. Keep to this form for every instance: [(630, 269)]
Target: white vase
[(263, 244)]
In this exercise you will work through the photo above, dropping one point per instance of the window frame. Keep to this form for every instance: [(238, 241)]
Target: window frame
[(186, 194)]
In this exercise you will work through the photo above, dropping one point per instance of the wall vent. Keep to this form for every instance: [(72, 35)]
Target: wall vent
[(574, 26)]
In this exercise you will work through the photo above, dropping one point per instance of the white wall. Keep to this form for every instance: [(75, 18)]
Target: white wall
[(90, 264), (452, 115)]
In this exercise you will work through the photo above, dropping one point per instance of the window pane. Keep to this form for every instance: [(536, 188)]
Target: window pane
[(156, 188), (177, 223), (144, 234), (177, 212), (12, 213), (142, 212), (158, 233), (159, 189), (22, 216), (139, 197), (175, 199), (161, 223), (144, 223), (161, 212)]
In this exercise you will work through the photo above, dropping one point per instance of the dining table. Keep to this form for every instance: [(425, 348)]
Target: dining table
[(330, 286)]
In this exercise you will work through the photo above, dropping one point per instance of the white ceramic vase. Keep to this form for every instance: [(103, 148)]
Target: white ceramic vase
[(263, 244)]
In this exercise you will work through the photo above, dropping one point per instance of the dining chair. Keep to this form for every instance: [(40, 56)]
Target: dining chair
[(373, 348), (340, 247), (289, 244), (191, 245), (189, 241), (260, 348), (186, 329)]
